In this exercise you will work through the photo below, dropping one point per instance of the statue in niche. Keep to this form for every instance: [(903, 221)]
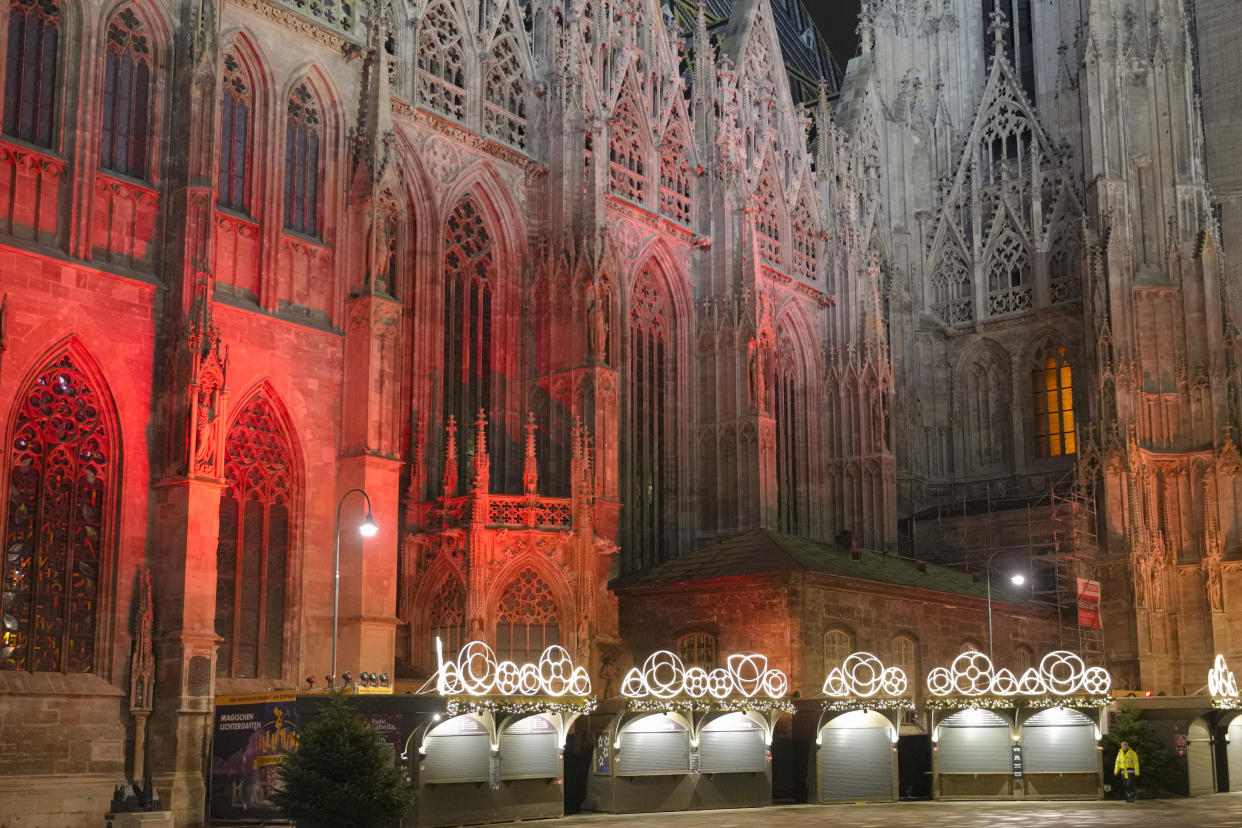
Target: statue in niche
[(756, 367), (1214, 582), (382, 252), (596, 323)]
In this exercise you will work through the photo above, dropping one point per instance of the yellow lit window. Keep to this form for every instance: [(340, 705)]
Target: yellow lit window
[(1054, 407)]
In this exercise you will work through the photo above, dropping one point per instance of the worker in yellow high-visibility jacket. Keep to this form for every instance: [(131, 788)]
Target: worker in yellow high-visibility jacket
[(1127, 768)]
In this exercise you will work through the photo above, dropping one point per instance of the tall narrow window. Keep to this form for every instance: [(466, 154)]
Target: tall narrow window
[(675, 176), (1054, 406), (905, 656), (838, 644), (448, 618), (805, 244), (1009, 276), (504, 110), (236, 111), (469, 288), (627, 169), (768, 221), (30, 70), (650, 461), (951, 288), (528, 621), (303, 135), (791, 449), (61, 467), (253, 552), (126, 133), (1019, 38), (441, 62)]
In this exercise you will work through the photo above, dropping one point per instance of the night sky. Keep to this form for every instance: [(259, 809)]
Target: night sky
[(837, 21)]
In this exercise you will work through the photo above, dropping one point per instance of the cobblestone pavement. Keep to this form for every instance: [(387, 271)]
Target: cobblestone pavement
[(1218, 811)]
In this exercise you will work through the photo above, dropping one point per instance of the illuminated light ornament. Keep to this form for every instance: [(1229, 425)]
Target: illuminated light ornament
[(862, 675), (1060, 673), (1221, 683), (477, 673), (664, 676)]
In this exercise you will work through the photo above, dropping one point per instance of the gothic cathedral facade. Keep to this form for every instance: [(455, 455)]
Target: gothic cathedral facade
[(558, 290)]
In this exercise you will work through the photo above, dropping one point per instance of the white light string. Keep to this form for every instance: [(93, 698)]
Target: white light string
[(664, 676), (1060, 673), (1221, 682), (862, 675), (477, 673)]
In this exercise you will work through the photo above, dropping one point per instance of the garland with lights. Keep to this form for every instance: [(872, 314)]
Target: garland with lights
[(710, 705), (863, 675), (1222, 685), (665, 676), (1016, 702), (524, 705), (842, 705), (1060, 673)]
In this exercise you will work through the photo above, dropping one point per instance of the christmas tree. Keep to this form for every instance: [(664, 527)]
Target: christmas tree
[(342, 774)]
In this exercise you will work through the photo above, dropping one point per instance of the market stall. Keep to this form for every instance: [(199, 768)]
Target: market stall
[(1001, 736), (855, 754), (688, 737), (496, 756)]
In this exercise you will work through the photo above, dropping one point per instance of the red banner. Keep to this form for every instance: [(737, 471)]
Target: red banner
[(1089, 604)]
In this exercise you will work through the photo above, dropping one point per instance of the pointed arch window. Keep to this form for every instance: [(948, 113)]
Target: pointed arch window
[(951, 288), (504, 110), (768, 222), (789, 410), (1009, 276), (236, 115), (303, 137), (126, 133), (650, 461), (448, 618), (675, 176), (253, 552), (469, 383), (627, 169), (806, 257), (1063, 273), (1053, 383), (61, 471), (30, 71), (987, 414), (528, 621), (441, 63)]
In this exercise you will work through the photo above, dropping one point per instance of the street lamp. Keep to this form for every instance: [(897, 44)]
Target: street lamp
[(367, 529), (1017, 580)]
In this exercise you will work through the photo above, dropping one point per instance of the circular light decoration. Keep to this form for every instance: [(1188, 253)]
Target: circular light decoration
[(1221, 683), (477, 673), (664, 676), (1060, 673), (862, 675)]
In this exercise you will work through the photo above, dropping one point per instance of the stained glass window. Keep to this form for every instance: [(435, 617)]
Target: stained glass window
[(59, 499), (126, 133), (236, 114), (303, 135), (528, 621), (1054, 406), (469, 288), (649, 467), (30, 70), (253, 552)]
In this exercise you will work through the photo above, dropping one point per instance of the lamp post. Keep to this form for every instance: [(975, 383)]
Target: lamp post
[(367, 529), (1017, 580)]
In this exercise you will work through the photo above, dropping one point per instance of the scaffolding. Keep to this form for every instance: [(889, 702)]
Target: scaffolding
[(1074, 558)]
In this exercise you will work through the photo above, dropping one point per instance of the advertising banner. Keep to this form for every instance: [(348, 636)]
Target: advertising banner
[(1088, 604), (251, 734)]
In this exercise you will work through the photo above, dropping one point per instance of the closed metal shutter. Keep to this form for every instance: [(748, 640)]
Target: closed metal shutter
[(1234, 755), (974, 741), (456, 758), (732, 751), (1058, 741), (856, 763), (530, 747), (661, 752), (1199, 761)]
